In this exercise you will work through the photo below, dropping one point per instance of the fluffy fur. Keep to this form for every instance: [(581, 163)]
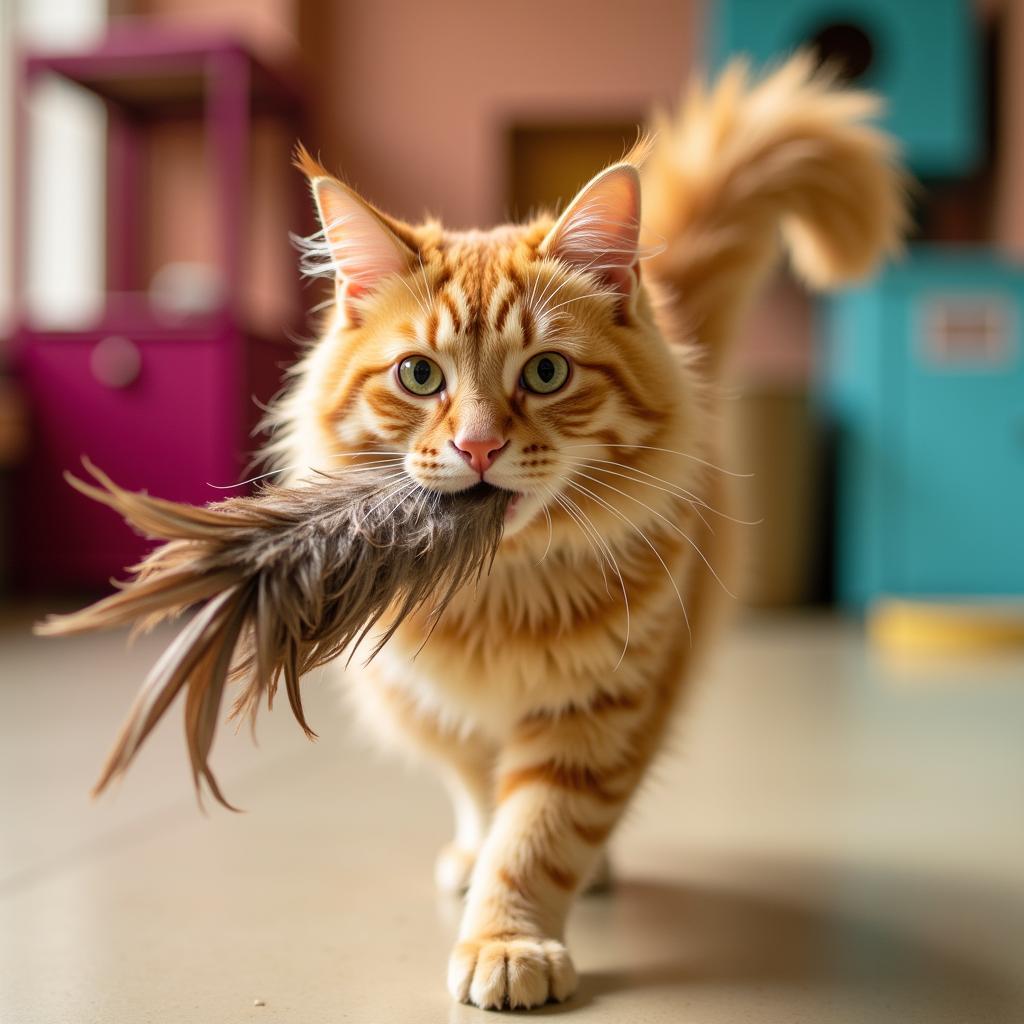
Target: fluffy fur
[(544, 693), (288, 580), (542, 697), (747, 168)]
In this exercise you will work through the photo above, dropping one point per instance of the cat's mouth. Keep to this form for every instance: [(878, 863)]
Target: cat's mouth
[(483, 490)]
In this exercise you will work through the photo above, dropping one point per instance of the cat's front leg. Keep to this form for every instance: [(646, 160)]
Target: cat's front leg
[(562, 783)]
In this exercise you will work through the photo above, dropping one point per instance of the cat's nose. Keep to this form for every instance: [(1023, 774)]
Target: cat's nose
[(479, 453)]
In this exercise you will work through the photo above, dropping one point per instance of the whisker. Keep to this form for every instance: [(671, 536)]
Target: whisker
[(615, 565), (668, 451), (589, 268), (657, 554), (251, 480), (583, 529), (539, 300), (681, 492), (580, 298), (691, 501), (287, 469), (533, 291), (690, 496), (392, 477), (551, 533), (423, 275), (396, 485), (416, 296), (405, 495), (689, 540), (357, 451), (545, 299)]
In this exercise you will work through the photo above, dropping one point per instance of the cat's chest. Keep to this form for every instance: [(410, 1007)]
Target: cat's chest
[(524, 641)]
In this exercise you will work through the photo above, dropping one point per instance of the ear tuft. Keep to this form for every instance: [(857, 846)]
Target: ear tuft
[(355, 244), (308, 164), (363, 249), (599, 231)]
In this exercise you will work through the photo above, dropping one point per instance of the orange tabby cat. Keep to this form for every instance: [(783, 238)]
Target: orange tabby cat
[(547, 359)]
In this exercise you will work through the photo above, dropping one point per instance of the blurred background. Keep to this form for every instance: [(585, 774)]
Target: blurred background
[(149, 300), (149, 297)]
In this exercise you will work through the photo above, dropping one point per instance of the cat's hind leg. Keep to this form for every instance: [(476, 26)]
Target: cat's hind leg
[(468, 779), (463, 760)]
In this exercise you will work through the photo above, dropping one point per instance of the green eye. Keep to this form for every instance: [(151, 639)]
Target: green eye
[(420, 376), (546, 373)]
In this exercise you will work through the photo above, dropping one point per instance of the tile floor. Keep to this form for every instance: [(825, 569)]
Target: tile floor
[(830, 839)]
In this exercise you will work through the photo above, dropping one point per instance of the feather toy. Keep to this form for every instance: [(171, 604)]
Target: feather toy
[(285, 581)]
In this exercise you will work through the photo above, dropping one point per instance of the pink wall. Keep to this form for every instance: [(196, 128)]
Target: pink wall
[(411, 101), (1009, 211), (268, 25), (417, 94)]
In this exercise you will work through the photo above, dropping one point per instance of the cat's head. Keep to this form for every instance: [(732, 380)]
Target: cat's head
[(514, 355)]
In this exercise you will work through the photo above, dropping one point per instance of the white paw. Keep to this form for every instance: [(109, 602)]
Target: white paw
[(514, 973), (453, 868)]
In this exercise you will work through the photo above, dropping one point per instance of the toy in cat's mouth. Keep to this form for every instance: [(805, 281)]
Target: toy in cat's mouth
[(483, 492), (283, 581)]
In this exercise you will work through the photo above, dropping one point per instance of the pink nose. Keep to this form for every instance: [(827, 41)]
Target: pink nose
[(479, 454)]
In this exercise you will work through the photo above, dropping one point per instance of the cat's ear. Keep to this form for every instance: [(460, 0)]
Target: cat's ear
[(600, 229), (362, 248)]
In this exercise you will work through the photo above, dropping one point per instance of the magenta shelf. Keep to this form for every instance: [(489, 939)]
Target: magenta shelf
[(161, 403)]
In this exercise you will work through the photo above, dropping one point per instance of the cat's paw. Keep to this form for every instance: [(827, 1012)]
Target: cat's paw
[(515, 973), (453, 868)]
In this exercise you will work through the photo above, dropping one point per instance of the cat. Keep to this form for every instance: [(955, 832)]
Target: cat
[(571, 360)]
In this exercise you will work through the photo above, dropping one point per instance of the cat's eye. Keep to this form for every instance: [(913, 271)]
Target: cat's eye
[(544, 374), (420, 376)]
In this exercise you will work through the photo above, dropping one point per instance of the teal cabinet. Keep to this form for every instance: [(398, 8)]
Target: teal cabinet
[(924, 380), (923, 56)]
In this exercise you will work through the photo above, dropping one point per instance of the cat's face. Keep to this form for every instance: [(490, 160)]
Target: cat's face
[(508, 356)]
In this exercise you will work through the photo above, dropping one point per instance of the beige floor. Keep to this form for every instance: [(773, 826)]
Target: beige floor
[(830, 839)]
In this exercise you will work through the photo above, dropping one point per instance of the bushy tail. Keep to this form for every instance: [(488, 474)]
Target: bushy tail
[(745, 167)]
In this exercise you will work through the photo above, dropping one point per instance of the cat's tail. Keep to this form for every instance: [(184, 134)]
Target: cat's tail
[(746, 169)]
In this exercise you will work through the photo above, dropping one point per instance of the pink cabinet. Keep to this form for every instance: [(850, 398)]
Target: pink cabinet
[(162, 403), (167, 413)]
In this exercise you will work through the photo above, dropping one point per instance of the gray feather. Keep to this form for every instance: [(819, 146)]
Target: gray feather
[(285, 581)]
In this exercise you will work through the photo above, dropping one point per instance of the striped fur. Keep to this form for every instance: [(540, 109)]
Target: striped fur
[(543, 695)]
